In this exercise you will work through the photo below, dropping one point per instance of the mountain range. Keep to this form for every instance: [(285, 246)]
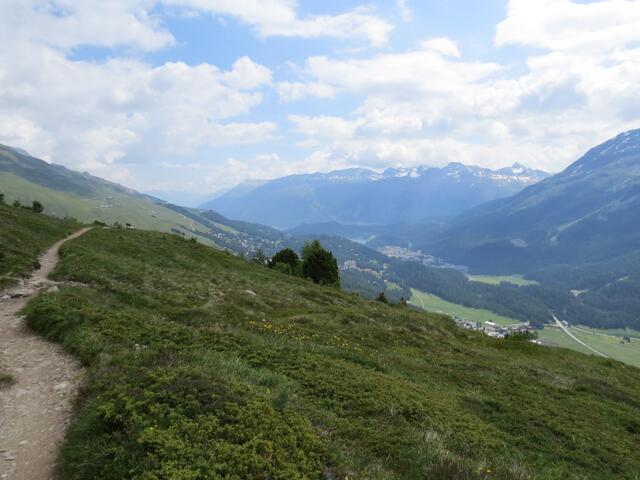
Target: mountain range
[(366, 197)]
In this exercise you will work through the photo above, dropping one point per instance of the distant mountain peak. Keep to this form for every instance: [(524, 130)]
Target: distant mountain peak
[(21, 151), (624, 143), (617, 149)]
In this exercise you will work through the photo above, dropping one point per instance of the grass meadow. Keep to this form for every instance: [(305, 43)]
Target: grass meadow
[(202, 365)]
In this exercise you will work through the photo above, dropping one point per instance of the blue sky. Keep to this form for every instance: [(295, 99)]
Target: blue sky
[(188, 97)]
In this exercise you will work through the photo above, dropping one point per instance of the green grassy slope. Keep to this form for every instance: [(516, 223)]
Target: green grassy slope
[(24, 235), (204, 366), (65, 192), (140, 211)]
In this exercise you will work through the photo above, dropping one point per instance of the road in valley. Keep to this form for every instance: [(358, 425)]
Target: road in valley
[(568, 332)]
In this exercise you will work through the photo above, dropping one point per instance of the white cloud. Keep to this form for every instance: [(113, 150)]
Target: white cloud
[(430, 105), (290, 91), (246, 74), (399, 74), (324, 127), (569, 26), (16, 130), (99, 115), (114, 23), (67, 23), (405, 12), (442, 45), (87, 114), (280, 18), (233, 171)]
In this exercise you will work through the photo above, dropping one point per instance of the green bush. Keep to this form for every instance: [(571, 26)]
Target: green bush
[(259, 258), (282, 267), (5, 378), (382, 298)]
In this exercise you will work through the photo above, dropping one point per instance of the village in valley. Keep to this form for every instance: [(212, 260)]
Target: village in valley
[(495, 330)]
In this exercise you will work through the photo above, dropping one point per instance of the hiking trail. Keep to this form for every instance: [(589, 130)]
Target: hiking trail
[(36, 406)]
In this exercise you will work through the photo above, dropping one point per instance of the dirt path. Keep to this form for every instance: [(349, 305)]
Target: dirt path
[(35, 408)]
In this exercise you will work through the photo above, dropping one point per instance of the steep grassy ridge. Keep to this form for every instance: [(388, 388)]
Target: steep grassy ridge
[(204, 366), (23, 236), (66, 193)]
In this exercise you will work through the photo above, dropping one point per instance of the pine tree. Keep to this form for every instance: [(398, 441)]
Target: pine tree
[(286, 256), (382, 298), (37, 207), (319, 264)]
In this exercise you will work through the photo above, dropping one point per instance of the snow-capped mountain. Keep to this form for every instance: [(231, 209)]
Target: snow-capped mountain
[(366, 196)]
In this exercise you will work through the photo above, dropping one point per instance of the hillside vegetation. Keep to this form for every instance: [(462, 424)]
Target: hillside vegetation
[(202, 365), (23, 236)]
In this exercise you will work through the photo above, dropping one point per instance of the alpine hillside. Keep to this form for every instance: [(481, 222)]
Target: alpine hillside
[(67, 193), (589, 212)]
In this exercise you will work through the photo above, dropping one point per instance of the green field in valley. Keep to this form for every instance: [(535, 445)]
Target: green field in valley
[(432, 303), (608, 342), (553, 335), (498, 279), (619, 332)]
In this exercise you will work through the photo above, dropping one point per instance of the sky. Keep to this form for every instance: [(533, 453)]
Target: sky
[(186, 98)]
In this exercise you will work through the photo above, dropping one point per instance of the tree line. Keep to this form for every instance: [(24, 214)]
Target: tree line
[(36, 206)]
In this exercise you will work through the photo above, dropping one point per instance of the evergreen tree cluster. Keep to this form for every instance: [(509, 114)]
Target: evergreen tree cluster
[(315, 263)]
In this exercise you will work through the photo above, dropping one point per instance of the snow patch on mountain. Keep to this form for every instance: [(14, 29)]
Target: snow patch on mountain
[(517, 173)]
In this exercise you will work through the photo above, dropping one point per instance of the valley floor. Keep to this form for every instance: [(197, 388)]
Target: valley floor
[(611, 343), (433, 303)]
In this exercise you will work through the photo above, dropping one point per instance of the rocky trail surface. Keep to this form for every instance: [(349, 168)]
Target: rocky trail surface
[(36, 405)]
